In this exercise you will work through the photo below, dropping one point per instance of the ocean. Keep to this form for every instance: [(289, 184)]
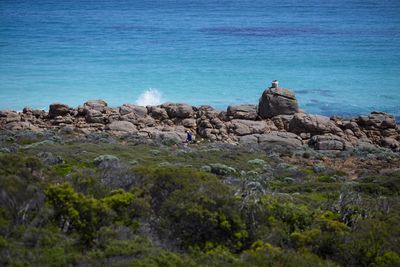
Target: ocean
[(339, 57)]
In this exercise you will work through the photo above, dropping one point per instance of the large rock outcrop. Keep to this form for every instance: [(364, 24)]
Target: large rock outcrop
[(275, 122), (277, 101)]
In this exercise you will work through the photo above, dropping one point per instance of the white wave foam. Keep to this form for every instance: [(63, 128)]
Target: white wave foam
[(150, 97)]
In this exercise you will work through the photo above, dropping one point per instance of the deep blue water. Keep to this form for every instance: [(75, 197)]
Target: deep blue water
[(340, 57)]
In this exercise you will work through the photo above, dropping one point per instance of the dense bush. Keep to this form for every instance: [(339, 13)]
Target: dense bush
[(203, 214), (136, 212), (195, 208), (86, 215)]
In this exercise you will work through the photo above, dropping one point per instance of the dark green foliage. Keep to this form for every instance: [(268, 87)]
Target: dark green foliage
[(204, 214), (273, 219), (264, 254), (380, 185), (86, 215), (278, 211), (21, 196), (163, 258), (75, 212), (25, 167), (195, 208), (138, 212), (162, 182), (325, 179)]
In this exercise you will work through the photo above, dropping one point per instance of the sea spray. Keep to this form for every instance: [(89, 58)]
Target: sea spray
[(150, 97)]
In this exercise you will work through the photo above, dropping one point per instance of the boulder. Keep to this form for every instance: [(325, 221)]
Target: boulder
[(239, 128), (208, 112), (217, 123), (136, 115), (391, 132), (129, 117), (109, 111), (63, 120), (122, 126), (58, 109), (314, 124), (204, 123), (177, 110), (245, 127), (273, 138), (377, 120), (94, 116), (67, 129), (366, 146), (98, 105), (6, 113), (157, 113), (351, 125), (355, 129), (3, 113), (282, 122), (22, 125), (10, 116), (249, 139), (207, 133), (376, 126), (246, 112), (189, 123), (281, 138), (112, 117), (145, 121), (169, 137), (27, 110), (139, 111), (327, 142), (277, 101), (39, 113), (390, 143)]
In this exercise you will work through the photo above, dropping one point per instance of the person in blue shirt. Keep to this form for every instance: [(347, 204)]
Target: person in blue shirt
[(189, 137)]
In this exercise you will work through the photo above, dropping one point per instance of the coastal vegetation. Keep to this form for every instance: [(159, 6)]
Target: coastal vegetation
[(68, 200)]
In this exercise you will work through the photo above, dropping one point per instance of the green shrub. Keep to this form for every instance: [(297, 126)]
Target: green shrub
[(195, 208), (86, 215), (388, 258), (161, 182), (276, 211), (264, 254), (325, 179), (161, 259)]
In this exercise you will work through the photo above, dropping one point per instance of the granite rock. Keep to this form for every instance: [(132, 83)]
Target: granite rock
[(277, 101), (246, 112), (58, 109)]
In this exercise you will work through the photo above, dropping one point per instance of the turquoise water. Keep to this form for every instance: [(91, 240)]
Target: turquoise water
[(340, 57)]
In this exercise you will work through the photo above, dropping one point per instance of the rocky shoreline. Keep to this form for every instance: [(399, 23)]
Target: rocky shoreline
[(276, 119), (265, 185)]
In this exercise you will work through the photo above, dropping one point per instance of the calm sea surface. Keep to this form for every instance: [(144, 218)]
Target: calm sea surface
[(340, 57)]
